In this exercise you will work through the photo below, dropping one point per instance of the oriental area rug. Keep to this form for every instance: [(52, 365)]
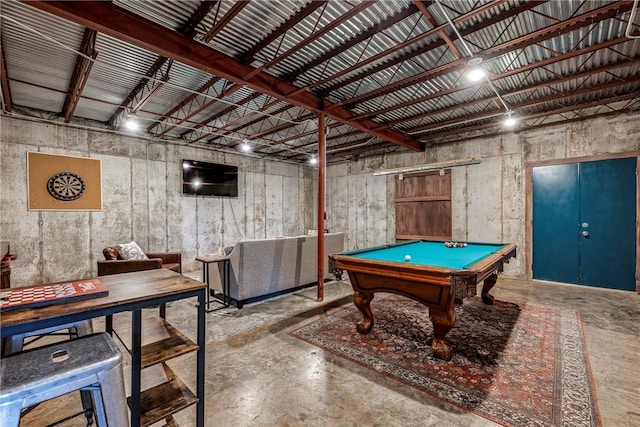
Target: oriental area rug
[(517, 365)]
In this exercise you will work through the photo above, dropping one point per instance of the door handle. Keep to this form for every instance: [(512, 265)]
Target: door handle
[(585, 233)]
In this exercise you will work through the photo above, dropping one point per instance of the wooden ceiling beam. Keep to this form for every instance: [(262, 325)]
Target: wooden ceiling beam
[(116, 22)]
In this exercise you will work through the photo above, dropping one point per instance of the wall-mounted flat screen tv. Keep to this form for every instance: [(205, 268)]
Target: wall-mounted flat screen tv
[(209, 179)]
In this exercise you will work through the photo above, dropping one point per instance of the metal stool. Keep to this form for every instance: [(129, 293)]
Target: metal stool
[(92, 363), (15, 344)]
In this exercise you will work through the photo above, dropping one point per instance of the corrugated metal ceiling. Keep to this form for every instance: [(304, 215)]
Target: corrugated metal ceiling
[(392, 72)]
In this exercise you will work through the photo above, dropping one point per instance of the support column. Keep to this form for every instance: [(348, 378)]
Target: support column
[(321, 213)]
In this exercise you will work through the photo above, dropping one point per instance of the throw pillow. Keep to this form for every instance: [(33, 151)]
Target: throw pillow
[(131, 251), (110, 253)]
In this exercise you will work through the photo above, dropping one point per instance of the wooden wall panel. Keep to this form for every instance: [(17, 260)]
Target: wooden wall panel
[(423, 206)]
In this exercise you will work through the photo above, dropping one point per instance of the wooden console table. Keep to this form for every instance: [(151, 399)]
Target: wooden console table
[(127, 292)]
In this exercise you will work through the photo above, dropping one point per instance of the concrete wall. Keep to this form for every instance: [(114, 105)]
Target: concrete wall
[(488, 199), (142, 201)]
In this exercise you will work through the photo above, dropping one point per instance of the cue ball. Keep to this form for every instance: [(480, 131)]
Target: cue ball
[(407, 257)]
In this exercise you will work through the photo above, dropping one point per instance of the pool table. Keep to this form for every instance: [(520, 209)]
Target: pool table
[(426, 271)]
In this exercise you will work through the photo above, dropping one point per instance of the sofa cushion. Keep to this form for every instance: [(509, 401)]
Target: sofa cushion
[(131, 250)]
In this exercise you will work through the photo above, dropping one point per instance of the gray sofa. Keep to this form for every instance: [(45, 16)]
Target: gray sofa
[(268, 267)]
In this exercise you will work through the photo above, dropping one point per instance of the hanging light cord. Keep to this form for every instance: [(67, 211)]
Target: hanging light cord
[(471, 54)]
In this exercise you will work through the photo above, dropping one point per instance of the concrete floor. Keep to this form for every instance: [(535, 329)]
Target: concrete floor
[(257, 375)]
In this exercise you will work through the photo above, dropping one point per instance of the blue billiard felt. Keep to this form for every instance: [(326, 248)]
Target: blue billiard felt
[(429, 253)]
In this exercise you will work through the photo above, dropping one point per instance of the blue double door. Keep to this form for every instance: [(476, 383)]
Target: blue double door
[(584, 223)]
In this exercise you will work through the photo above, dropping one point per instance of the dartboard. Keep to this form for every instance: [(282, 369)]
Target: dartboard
[(66, 186)]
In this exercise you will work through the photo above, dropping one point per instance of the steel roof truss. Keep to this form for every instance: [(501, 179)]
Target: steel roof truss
[(401, 46), (604, 12), (185, 102), (4, 79), (188, 30), (219, 26), (527, 68), (80, 75), (324, 30), (196, 104), (282, 29), (559, 96), (143, 91), (116, 22), (544, 114), (367, 34), (229, 111), (224, 130)]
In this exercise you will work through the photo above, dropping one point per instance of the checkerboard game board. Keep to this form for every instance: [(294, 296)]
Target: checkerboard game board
[(37, 296)]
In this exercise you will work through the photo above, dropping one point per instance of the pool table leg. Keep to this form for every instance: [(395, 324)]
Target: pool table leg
[(362, 300), (489, 283), (443, 321)]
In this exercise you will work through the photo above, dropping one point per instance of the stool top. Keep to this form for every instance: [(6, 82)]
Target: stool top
[(38, 369)]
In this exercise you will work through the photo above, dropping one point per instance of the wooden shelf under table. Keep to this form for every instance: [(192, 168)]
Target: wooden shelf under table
[(163, 400), (161, 342), (164, 394)]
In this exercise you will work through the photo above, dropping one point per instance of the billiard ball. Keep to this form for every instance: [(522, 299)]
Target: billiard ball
[(407, 258)]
